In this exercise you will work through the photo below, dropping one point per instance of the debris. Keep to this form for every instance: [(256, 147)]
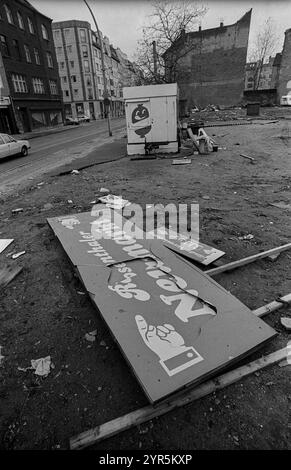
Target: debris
[(40, 184), (147, 413), (16, 255), (7, 274), (181, 161), (281, 205), (286, 322), (102, 343), (114, 202), (4, 243), (206, 198), (247, 237), (80, 293), (92, 202), (103, 190), (48, 206), (274, 257), (246, 156), (91, 336), (42, 366), (1, 357), (75, 172), (16, 211), (70, 201)]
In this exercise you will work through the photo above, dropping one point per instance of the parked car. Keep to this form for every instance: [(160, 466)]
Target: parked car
[(285, 100), (10, 146), (83, 118), (70, 121)]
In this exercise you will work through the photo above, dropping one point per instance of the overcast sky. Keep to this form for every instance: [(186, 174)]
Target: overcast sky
[(121, 20)]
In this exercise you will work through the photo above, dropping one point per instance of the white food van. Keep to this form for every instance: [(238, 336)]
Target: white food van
[(151, 118)]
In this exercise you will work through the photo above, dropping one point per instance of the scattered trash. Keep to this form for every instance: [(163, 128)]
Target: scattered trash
[(16, 255), (246, 156), (48, 206), (40, 184), (4, 243), (206, 198), (181, 161), (1, 357), (80, 293), (274, 257), (91, 336), (247, 237), (16, 211), (7, 274), (114, 202), (92, 202), (75, 172), (286, 322), (281, 205), (70, 201), (103, 190), (42, 366)]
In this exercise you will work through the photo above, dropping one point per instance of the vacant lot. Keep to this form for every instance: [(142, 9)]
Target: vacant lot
[(44, 312)]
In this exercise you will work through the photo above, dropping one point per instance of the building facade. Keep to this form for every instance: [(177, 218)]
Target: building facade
[(30, 66), (284, 81), (265, 78), (210, 64), (78, 52)]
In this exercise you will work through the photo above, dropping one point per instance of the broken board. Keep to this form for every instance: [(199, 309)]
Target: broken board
[(187, 246), (174, 324)]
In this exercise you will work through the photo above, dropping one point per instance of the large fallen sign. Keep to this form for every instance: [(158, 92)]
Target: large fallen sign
[(174, 324)]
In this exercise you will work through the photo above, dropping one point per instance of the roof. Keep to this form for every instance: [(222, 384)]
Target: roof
[(26, 4)]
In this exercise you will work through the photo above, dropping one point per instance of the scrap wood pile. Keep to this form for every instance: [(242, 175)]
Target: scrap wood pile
[(152, 292)]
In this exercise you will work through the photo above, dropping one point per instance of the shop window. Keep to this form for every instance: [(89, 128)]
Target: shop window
[(38, 120)]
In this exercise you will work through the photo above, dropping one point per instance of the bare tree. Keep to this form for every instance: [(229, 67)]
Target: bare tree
[(165, 27), (264, 46)]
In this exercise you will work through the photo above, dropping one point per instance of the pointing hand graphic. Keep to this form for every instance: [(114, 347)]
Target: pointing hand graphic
[(168, 344)]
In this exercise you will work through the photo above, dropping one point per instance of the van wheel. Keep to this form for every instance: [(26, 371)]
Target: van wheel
[(24, 151)]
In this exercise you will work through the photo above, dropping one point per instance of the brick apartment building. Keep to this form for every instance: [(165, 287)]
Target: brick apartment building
[(30, 66)]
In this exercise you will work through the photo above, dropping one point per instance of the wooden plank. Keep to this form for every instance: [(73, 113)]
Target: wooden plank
[(247, 156), (147, 413), (7, 274), (247, 260), (272, 306)]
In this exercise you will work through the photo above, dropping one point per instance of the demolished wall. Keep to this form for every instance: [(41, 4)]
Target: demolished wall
[(284, 87), (213, 70)]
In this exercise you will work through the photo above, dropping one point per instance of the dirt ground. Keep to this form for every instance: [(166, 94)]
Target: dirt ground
[(44, 312)]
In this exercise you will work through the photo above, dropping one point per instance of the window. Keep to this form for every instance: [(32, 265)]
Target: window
[(4, 45), (83, 35), (95, 52), (49, 60), (20, 20), (9, 14), (100, 91), (66, 93), (57, 34), (98, 78), (30, 26), (85, 51), (72, 64), (97, 66), (19, 83), (88, 81), (16, 49), (74, 78), (59, 50), (53, 87), (62, 65), (86, 66), (64, 79), (27, 53), (38, 86), (36, 56), (90, 94), (76, 91), (44, 32), (69, 49), (67, 32)]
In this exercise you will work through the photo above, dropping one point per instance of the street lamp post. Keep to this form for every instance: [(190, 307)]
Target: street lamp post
[(105, 94)]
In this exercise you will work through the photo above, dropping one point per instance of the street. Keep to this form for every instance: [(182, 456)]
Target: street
[(53, 150)]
